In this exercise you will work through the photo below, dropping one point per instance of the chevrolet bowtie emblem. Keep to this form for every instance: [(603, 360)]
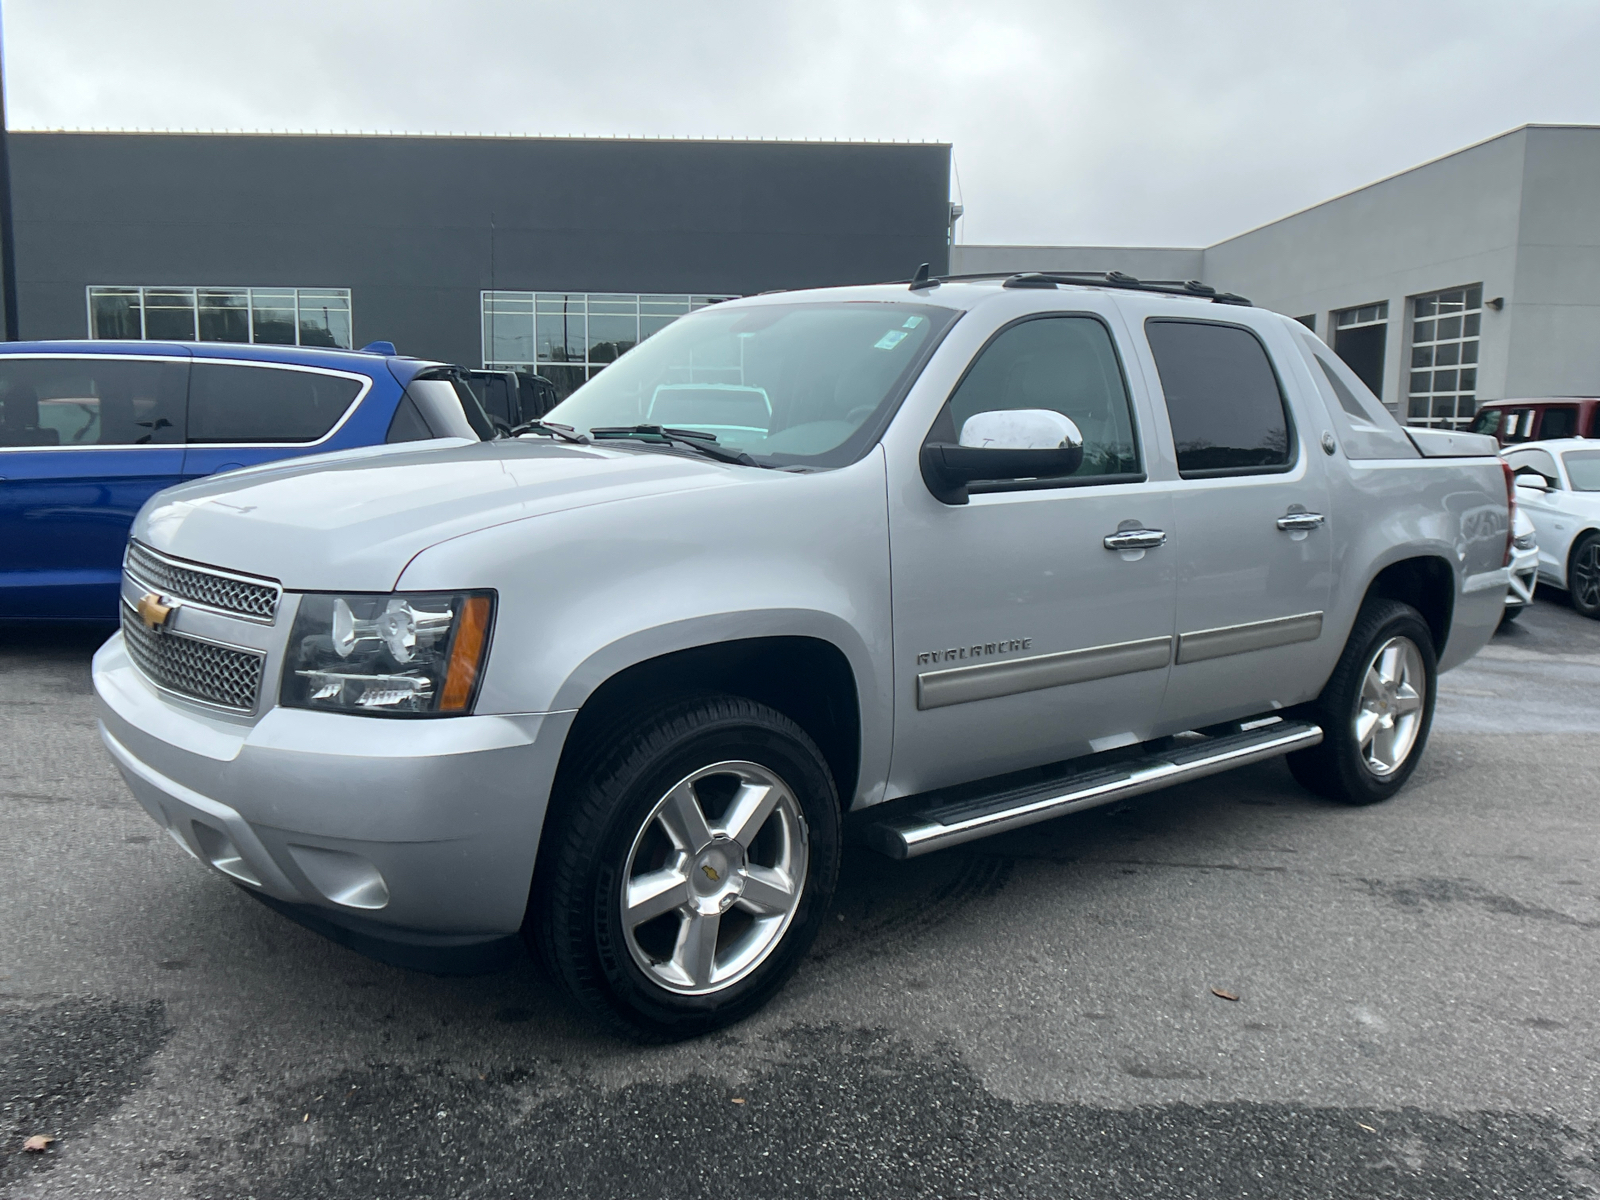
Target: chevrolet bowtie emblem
[(152, 612), (711, 872)]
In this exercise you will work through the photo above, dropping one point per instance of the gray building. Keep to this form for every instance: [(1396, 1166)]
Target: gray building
[(1472, 277), (555, 253)]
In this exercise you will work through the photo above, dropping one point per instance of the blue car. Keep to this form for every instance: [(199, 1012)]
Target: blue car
[(91, 430)]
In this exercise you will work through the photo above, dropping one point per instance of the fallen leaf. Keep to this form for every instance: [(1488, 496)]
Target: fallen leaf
[(1223, 995), (738, 1099), (38, 1142), (1367, 1127)]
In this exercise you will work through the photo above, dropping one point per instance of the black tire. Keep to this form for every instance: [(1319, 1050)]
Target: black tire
[(1583, 575), (601, 811), (1338, 768)]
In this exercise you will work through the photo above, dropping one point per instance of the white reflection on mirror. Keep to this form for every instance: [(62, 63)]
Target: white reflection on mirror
[(1020, 429)]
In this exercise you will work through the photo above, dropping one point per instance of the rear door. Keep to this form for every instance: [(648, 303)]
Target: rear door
[(1251, 542), (84, 442), (240, 414)]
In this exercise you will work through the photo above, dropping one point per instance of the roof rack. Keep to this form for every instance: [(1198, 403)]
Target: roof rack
[(1111, 279)]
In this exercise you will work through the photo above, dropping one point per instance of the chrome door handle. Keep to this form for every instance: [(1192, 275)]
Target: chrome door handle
[(1135, 539), (1300, 520)]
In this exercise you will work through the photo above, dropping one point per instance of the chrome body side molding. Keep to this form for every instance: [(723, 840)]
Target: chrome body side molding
[(1241, 639), (985, 681)]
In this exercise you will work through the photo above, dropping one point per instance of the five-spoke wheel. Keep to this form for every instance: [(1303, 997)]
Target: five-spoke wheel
[(1583, 576)]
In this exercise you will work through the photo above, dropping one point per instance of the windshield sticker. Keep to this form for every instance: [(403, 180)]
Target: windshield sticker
[(890, 340), (912, 323)]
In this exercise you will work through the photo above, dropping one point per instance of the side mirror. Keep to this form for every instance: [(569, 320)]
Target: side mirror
[(1528, 478), (1023, 443)]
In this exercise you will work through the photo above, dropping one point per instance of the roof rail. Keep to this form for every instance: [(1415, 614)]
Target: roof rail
[(1111, 279)]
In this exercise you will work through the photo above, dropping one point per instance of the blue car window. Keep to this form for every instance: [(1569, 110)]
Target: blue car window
[(91, 401), (229, 403)]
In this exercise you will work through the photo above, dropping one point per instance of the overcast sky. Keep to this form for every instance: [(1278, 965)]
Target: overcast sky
[(1136, 122)]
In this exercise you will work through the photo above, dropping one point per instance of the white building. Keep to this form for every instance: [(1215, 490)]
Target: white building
[(1472, 277)]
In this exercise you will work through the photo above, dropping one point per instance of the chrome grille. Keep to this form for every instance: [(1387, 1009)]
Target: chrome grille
[(229, 593), (219, 675)]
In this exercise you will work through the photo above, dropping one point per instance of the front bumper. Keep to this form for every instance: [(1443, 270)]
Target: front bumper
[(415, 832), (1524, 578)]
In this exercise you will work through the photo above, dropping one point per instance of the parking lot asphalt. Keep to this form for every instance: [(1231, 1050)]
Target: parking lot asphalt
[(1029, 1016)]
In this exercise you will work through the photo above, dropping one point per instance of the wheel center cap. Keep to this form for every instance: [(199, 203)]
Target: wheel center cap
[(716, 875)]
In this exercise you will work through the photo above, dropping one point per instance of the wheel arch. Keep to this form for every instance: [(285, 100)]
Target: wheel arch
[(807, 678), (1427, 582), (1572, 551)]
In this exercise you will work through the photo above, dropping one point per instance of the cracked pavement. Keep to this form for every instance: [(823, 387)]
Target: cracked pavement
[(1028, 1016)]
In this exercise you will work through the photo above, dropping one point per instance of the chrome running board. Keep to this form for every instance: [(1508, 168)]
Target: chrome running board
[(950, 824)]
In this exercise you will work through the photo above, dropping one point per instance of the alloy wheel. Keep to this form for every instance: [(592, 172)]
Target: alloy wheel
[(1389, 713), (714, 877), (1586, 576)]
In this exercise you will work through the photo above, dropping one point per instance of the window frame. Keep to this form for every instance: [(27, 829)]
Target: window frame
[(990, 486), (365, 382), (1294, 448)]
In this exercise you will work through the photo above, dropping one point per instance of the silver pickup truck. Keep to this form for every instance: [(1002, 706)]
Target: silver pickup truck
[(909, 564)]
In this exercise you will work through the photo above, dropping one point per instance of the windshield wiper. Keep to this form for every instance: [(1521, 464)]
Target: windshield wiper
[(694, 439), (554, 428)]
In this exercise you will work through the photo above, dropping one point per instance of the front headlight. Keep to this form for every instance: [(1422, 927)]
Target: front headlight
[(416, 654)]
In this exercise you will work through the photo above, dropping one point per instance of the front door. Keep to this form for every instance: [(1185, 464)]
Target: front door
[(84, 442), (1251, 542), (1020, 638)]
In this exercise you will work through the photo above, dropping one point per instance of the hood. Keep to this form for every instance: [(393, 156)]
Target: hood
[(352, 521)]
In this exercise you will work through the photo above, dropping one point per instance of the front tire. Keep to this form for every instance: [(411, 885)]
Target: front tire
[(687, 866), (1376, 710), (1583, 576)]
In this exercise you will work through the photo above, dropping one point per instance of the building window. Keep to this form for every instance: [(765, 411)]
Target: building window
[(569, 337), (1444, 357), (1309, 321), (1359, 337), (268, 316)]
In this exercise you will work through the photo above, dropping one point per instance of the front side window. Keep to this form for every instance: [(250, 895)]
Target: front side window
[(1223, 399), (1583, 469), (229, 403), (1066, 364), (788, 384), (1487, 421), (90, 402)]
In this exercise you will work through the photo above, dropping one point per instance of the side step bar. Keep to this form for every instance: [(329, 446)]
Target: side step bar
[(936, 827)]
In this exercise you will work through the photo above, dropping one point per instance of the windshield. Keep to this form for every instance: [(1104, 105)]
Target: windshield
[(1583, 469), (805, 384)]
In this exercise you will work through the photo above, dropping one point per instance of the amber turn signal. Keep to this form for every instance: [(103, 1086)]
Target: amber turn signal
[(466, 655)]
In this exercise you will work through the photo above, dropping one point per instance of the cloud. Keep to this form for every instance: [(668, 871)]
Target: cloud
[(1142, 122)]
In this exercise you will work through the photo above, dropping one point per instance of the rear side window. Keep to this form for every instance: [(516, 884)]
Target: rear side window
[(230, 403), (1066, 364), (1226, 408), (90, 402), (1559, 422)]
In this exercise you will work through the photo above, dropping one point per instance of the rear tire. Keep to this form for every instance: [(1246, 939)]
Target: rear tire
[(1376, 709), (1583, 575), (686, 866)]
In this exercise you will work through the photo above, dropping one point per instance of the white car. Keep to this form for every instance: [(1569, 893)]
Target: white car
[(1558, 486), (1524, 566)]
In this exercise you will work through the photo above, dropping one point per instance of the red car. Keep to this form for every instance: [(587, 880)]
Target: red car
[(1513, 421)]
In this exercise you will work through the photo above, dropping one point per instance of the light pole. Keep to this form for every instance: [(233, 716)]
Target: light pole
[(8, 241)]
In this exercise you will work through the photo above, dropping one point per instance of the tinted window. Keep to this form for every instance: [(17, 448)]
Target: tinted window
[(1066, 364), (90, 402), (264, 404), (1559, 422), (1583, 468), (407, 424), (1222, 395)]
